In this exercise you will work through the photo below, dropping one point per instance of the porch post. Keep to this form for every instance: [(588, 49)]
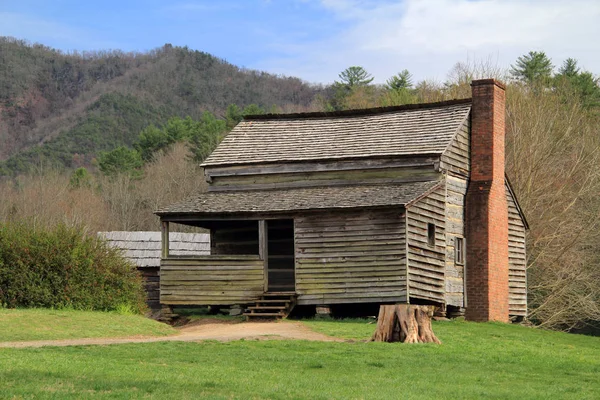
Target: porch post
[(164, 229), (262, 250)]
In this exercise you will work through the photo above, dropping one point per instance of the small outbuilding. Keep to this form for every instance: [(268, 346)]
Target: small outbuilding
[(406, 204)]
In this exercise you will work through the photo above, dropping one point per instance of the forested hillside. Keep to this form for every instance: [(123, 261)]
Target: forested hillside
[(81, 103)]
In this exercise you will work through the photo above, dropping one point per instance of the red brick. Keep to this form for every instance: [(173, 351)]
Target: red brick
[(486, 211)]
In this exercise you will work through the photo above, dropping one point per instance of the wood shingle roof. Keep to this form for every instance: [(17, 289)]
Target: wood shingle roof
[(391, 131), (301, 199), (143, 248)]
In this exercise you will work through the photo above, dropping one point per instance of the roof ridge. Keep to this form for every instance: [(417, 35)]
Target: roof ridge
[(358, 112)]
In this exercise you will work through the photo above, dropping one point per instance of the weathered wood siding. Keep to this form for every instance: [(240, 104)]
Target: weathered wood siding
[(324, 178), (351, 257), (456, 188), (151, 282), (427, 264), (517, 278), (217, 280), (457, 158)]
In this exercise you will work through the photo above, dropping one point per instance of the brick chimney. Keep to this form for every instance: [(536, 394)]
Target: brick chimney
[(486, 211)]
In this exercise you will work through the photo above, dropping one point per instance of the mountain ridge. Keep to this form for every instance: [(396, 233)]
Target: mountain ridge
[(50, 99)]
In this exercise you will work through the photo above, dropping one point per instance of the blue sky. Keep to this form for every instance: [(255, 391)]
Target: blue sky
[(315, 39)]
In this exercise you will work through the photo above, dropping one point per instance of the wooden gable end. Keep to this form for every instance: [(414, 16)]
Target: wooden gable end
[(457, 157), (517, 261)]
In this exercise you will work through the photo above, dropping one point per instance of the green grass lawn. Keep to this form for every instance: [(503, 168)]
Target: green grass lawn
[(44, 324), (475, 361)]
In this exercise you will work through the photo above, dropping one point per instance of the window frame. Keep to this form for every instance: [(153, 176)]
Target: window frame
[(431, 231), (459, 251)]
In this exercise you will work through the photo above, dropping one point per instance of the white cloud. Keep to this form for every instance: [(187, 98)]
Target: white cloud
[(429, 37)]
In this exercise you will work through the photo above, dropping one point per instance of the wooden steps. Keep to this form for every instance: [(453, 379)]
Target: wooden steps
[(272, 305)]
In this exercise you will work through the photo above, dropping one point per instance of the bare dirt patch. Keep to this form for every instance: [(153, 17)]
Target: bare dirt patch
[(218, 330)]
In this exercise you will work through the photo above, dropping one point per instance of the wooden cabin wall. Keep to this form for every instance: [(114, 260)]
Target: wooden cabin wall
[(322, 173), (456, 189), (517, 263), (211, 280), (427, 264), (351, 257), (457, 158), (325, 178), (234, 238), (151, 282)]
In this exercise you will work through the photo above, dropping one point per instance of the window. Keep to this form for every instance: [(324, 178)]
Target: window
[(459, 251), (431, 234)]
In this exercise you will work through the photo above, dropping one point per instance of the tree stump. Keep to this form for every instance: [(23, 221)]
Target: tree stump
[(405, 323)]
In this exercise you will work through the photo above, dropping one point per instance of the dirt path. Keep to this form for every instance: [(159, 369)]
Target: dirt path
[(202, 330)]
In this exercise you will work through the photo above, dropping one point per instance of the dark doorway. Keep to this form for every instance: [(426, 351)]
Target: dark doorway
[(280, 255)]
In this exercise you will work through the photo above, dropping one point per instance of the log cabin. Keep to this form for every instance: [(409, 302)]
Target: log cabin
[(405, 204)]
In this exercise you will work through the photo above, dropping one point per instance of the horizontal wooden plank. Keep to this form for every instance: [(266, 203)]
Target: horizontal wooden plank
[(514, 302), (423, 262), (333, 273), (383, 232), (343, 254), (211, 268), (456, 184), (348, 296), (350, 241), (364, 290), (249, 274), (422, 211), (341, 216), (396, 247), (216, 296), (420, 270), (313, 259), (229, 293), (219, 281), (390, 227), (211, 258), (354, 300), (207, 300), (517, 278), (204, 302), (349, 280), (385, 215), (418, 293), (396, 262), (420, 281)]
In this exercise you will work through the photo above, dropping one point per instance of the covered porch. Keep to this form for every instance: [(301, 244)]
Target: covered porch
[(248, 258)]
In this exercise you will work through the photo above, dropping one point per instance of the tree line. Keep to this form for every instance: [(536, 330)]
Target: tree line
[(201, 136)]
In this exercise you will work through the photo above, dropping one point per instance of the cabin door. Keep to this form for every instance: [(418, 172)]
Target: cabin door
[(280, 255)]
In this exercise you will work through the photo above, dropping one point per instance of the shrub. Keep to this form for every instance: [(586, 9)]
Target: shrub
[(62, 267)]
